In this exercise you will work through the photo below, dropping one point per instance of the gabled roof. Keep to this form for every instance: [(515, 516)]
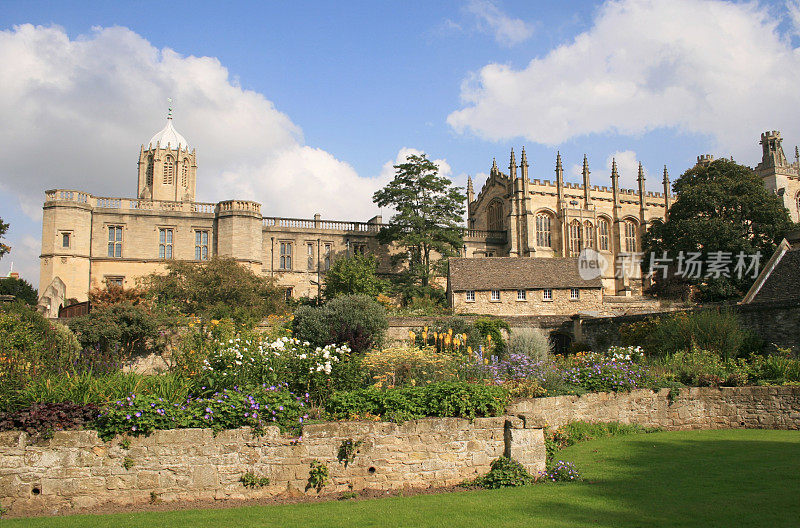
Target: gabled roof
[(513, 273), (780, 278)]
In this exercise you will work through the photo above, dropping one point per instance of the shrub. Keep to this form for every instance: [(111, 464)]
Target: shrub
[(229, 409), (776, 368), (562, 472), (216, 289), (505, 472), (42, 419), (456, 399), (250, 480), (30, 345), (408, 365), (317, 476), (718, 331), (123, 329), (695, 367), (355, 320), (531, 342)]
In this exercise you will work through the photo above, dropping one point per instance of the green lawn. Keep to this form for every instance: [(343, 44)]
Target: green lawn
[(693, 478)]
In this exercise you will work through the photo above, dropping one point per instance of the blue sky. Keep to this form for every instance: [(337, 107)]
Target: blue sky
[(321, 97)]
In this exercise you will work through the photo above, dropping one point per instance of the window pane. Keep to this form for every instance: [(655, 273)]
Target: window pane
[(169, 236), (205, 237), (110, 249), (119, 234), (161, 251), (110, 234), (118, 250), (169, 252)]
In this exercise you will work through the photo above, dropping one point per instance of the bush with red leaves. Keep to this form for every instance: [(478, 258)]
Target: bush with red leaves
[(41, 420)]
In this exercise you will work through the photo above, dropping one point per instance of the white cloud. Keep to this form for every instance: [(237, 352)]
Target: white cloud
[(701, 66), (628, 169), (506, 30), (23, 258), (74, 112), (793, 8)]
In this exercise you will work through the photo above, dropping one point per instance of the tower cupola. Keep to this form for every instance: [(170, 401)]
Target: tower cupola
[(167, 168)]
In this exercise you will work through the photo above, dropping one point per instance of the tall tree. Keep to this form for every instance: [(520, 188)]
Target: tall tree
[(428, 219), (722, 209), (3, 248), (354, 275)]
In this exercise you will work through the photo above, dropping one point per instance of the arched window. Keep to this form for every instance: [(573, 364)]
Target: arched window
[(185, 173), (588, 234), (602, 234), (575, 235), (544, 236), (149, 171), (169, 170), (630, 236), (494, 213)]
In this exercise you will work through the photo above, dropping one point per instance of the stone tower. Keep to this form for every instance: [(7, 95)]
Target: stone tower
[(167, 169), (778, 175)]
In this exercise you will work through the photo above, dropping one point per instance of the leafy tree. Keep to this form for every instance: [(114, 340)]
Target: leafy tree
[(217, 289), (355, 275), (428, 219), (355, 320), (3, 248), (123, 329), (722, 206), (19, 288)]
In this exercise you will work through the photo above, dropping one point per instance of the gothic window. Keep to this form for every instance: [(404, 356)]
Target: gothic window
[(285, 262), (630, 236), (588, 234), (544, 230), (149, 171), (115, 241), (201, 245), (575, 238), (165, 243), (602, 232), (169, 170), (185, 173), (494, 216)]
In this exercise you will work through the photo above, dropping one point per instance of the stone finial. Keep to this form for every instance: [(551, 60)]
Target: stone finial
[(796, 155), (512, 166), (666, 176), (524, 160), (558, 161), (494, 165), (585, 165), (614, 172), (640, 177)]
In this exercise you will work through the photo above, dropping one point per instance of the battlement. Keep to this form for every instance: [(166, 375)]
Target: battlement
[(770, 134), (705, 159), (69, 196)]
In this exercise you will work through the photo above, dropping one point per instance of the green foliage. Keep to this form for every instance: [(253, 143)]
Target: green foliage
[(89, 387), (492, 328), (127, 463), (347, 451), (3, 247), (125, 443), (716, 330), (30, 346), (408, 365), (776, 368), (124, 328), (354, 275), (456, 399), (504, 472), (19, 288), (257, 407), (217, 289), (355, 320), (317, 476), (428, 219), (250, 480), (725, 207)]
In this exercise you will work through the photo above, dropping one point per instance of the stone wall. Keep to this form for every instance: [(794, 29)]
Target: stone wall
[(776, 323), (691, 408), (75, 469)]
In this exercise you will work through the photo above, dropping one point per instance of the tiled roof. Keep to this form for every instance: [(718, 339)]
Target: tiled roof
[(512, 273), (783, 282)]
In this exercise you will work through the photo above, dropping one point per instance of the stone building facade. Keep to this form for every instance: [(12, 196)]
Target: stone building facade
[(89, 241)]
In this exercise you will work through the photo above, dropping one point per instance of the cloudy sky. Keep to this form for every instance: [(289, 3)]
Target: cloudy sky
[(305, 106)]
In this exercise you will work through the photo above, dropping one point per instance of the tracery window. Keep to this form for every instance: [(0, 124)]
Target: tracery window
[(630, 236), (544, 236), (494, 216), (588, 234), (575, 238), (149, 171), (602, 232)]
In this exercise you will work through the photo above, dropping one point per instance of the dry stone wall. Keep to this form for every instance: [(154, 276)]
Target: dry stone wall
[(691, 408), (75, 469)]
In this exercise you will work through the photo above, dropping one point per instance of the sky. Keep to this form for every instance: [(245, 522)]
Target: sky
[(306, 106)]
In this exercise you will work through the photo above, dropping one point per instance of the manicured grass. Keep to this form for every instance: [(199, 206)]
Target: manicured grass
[(693, 478)]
